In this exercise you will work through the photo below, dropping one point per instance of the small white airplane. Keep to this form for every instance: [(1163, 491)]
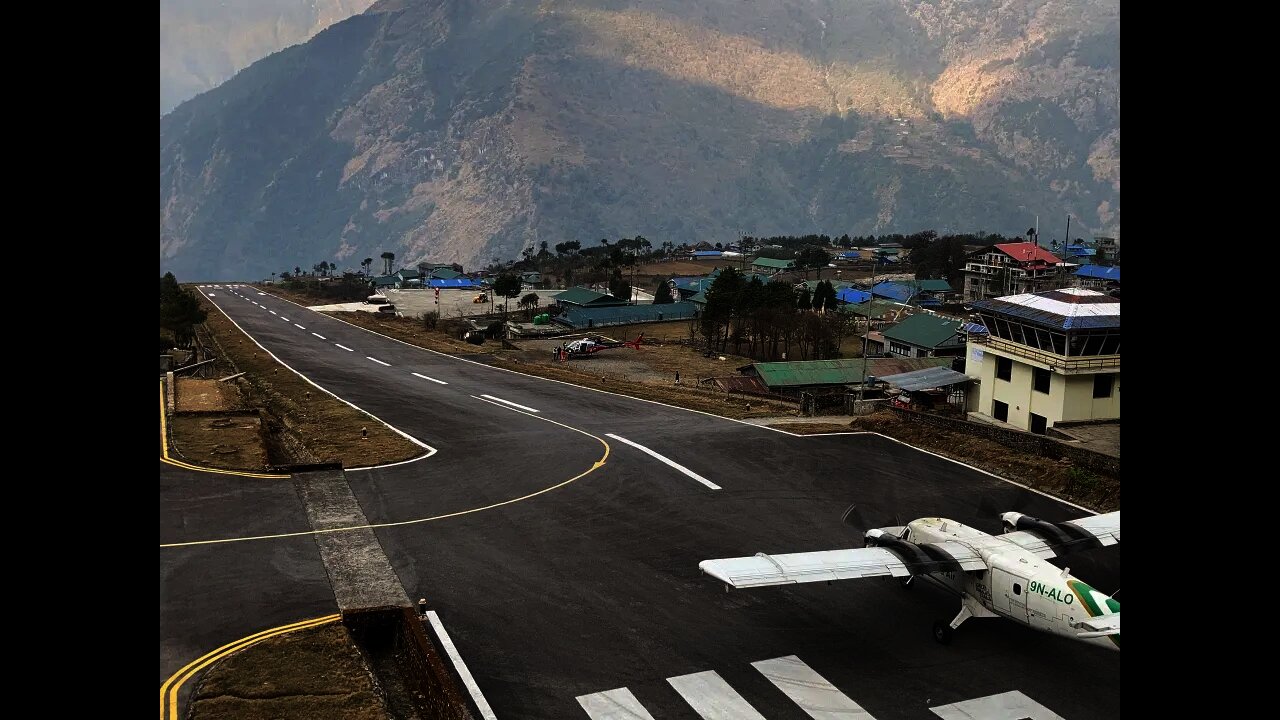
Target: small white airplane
[(994, 575)]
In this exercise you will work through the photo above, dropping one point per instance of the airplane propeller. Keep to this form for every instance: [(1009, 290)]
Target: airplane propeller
[(854, 518)]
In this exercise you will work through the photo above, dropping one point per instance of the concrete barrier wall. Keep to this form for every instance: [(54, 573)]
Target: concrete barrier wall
[(1018, 440)]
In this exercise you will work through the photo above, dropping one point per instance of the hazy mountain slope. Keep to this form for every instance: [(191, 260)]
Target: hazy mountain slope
[(204, 42)]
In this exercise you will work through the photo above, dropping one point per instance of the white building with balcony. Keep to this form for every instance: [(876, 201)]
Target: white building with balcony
[(1049, 357), (1011, 268)]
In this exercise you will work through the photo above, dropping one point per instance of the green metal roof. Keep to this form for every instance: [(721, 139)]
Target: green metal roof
[(875, 309), (408, 273), (928, 331), (773, 263), (444, 273), (700, 298), (845, 371), (933, 285), (585, 297)]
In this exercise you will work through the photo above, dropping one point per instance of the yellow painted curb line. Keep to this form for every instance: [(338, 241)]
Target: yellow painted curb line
[(169, 690), (164, 451)]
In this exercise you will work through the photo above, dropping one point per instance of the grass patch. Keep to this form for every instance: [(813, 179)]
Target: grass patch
[(315, 673)]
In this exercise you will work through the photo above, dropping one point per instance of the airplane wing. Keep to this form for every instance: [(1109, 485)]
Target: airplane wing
[(1100, 626), (760, 570), (1046, 539)]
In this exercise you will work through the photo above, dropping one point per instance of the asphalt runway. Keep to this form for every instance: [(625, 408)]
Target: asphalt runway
[(589, 587)]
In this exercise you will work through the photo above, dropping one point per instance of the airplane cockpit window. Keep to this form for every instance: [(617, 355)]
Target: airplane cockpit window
[(1017, 589)]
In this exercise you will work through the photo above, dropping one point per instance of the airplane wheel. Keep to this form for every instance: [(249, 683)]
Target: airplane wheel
[(906, 581), (942, 632)]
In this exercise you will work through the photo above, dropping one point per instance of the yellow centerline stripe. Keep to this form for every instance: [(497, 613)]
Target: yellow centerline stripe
[(169, 690), (373, 526), (164, 451)]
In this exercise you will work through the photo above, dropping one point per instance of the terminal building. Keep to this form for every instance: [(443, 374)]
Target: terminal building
[(1048, 357)]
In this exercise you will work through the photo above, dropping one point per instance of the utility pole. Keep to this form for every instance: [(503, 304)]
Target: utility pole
[(865, 337)]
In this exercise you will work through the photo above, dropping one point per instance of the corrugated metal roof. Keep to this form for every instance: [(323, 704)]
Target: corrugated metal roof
[(876, 308), (934, 285), (1028, 252), (928, 331), (580, 317), (926, 379), (692, 283), (1097, 271), (773, 263), (902, 292), (851, 295), (444, 274), (739, 383), (845, 371), (583, 296), (460, 282), (1066, 309), (707, 253)]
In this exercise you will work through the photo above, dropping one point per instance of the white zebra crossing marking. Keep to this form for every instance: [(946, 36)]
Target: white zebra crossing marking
[(817, 697), (712, 698), (1012, 705), (617, 704)]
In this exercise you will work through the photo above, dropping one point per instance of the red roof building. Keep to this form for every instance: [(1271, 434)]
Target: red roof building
[(1011, 269)]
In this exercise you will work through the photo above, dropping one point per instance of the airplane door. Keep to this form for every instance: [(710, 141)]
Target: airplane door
[(1009, 594)]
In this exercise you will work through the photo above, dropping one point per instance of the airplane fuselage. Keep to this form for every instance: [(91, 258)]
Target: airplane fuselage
[(1017, 585)]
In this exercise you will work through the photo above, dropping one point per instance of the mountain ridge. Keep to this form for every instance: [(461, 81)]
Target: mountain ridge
[(452, 131)]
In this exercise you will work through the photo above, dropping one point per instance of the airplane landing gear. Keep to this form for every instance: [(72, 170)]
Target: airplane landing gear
[(942, 631)]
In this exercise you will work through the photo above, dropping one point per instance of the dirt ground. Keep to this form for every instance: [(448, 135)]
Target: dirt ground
[(657, 360), (198, 394), (227, 440), (313, 673), (304, 425)]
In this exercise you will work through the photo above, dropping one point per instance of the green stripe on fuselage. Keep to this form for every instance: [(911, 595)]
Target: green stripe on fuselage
[(1085, 593)]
